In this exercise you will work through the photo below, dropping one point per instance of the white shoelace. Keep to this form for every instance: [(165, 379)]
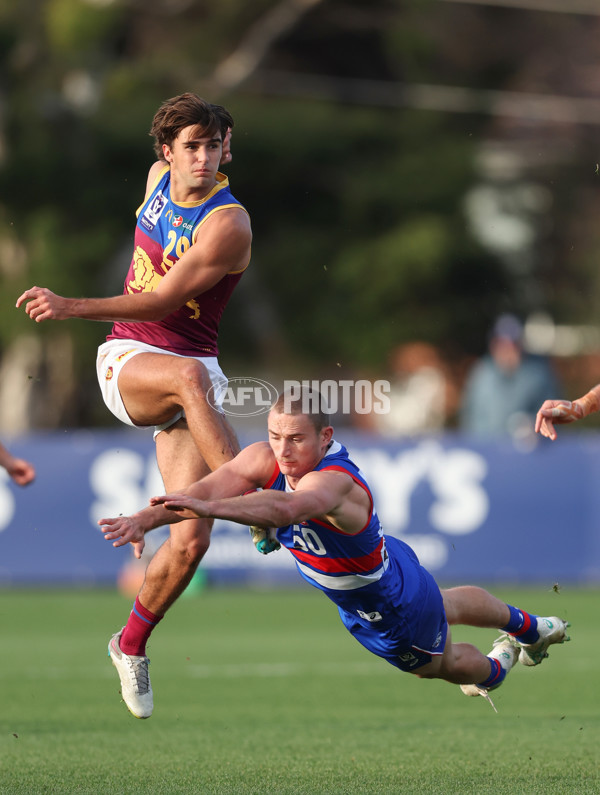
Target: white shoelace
[(138, 670)]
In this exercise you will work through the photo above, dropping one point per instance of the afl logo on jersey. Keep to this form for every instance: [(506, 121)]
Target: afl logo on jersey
[(109, 373), (177, 220)]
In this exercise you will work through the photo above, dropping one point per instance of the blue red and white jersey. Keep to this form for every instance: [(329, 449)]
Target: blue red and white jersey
[(164, 231), (385, 598), (357, 572), (325, 556)]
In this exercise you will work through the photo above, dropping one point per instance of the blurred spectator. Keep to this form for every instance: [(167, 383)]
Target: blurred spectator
[(422, 394), (506, 387)]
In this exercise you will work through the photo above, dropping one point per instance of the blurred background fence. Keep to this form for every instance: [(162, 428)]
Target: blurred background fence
[(413, 170)]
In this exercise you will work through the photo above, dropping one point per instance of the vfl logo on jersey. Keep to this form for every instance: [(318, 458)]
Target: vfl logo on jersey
[(374, 616), (153, 212)]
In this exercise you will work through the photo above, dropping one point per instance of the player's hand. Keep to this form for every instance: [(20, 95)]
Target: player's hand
[(556, 412), (184, 506), (124, 530), (265, 539), (226, 157), (22, 472), (42, 304)]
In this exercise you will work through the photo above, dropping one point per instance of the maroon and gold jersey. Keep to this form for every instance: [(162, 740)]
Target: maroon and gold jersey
[(164, 232)]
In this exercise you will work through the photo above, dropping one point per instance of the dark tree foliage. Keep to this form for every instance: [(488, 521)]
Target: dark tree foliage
[(358, 178)]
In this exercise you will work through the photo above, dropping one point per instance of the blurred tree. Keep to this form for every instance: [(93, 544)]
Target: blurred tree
[(364, 148)]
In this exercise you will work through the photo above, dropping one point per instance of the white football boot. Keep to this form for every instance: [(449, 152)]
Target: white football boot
[(135, 679), (506, 650), (552, 630)]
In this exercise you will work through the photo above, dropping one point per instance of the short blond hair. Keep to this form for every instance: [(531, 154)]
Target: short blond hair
[(309, 402)]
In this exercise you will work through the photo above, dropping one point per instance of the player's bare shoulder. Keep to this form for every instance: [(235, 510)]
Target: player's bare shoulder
[(257, 455), (232, 219), (334, 478), (346, 505), (257, 461), (225, 236)]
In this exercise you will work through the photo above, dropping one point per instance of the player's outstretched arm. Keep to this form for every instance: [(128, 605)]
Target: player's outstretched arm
[(132, 529), (42, 304), (21, 471), (250, 468), (226, 244), (555, 412), (317, 495), (561, 412)]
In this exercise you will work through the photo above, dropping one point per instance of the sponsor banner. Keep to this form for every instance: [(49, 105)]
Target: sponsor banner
[(472, 512)]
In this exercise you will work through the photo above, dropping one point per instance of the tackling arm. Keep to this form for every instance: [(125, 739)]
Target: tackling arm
[(317, 495), (251, 468)]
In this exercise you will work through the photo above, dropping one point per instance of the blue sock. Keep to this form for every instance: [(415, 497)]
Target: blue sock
[(496, 677), (522, 625)]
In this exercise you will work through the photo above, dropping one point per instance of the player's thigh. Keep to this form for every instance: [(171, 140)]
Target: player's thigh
[(150, 385)]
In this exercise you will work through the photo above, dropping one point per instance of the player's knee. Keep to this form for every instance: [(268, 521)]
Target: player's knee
[(193, 379), (190, 382), (197, 548), (432, 670), (190, 550), (427, 675)]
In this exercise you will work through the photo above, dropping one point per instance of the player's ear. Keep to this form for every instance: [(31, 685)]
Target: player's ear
[(327, 434), (167, 153)]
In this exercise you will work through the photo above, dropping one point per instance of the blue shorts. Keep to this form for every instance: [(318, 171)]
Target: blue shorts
[(413, 626)]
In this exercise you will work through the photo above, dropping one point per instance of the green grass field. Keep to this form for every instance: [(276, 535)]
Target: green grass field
[(264, 692)]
